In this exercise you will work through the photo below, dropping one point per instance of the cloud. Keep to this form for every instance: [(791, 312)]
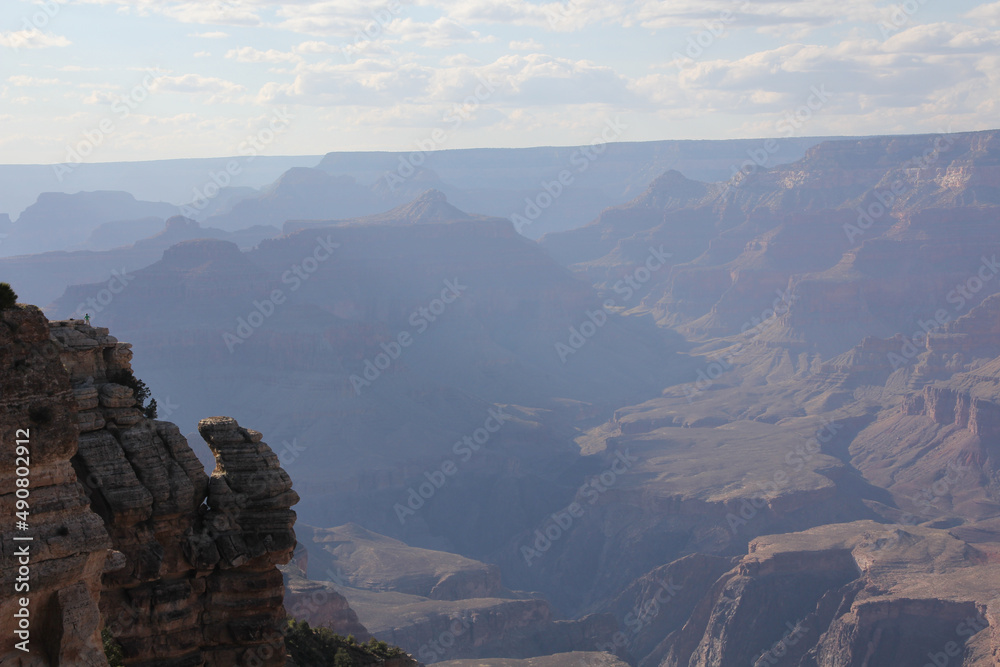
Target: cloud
[(23, 80), (367, 82), (210, 35), (248, 54), (525, 45), (223, 12), (771, 16), (100, 97), (203, 54), (942, 38), (442, 33), (219, 90), (345, 19), (988, 14), (557, 16), (32, 39), (316, 47), (523, 80)]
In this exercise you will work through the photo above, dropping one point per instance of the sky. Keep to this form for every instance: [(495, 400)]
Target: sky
[(113, 80)]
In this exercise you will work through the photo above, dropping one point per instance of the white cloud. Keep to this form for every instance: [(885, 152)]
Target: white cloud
[(210, 35), (203, 54), (223, 12), (23, 80), (32, 39), (557, 16), (100, 97), (942, 38), (988, 14), (525, 45), (523, 80), (219, 90), (442, 33), (248, 54), (773, 16), (316, 47)]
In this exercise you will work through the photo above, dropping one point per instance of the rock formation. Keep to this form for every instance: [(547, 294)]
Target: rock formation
[(845, 594), (69, 543), (191, 576)]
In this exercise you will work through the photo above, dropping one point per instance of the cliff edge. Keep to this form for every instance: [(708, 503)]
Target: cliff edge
[(127, 531)]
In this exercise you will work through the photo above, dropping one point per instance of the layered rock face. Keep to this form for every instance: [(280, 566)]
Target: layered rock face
[(319, 604), (192, 577), (68, 542), (845, 594), (434, 604), (846, 229)]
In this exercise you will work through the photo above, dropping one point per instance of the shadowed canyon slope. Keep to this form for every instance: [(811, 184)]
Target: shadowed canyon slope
[(373, 349)]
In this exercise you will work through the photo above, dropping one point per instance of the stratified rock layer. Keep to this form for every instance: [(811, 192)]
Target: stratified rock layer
[(68, 545), (191, 575), (842, 595)]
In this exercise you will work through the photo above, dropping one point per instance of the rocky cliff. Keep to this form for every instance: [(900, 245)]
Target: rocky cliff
[(129, 532), (845, 594), (68, 547)]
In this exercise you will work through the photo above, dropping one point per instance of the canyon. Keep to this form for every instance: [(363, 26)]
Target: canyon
[(744, 421)]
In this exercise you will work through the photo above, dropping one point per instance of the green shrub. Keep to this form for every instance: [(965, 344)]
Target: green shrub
[(321, 647), (8, 297), (139, 389), (112, 649)]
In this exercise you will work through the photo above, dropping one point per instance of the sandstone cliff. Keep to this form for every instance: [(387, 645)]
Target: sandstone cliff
[(191, 577), (846, 594), (69, 542)]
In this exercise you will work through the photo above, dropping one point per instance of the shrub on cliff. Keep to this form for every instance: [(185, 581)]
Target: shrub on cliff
[(139, 389), (112, 649), (8, 297), (321, 647)]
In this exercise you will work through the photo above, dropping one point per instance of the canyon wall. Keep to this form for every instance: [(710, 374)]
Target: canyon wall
[(129, 532)]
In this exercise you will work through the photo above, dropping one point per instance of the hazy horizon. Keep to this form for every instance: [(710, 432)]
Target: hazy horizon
[(439, 74)]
